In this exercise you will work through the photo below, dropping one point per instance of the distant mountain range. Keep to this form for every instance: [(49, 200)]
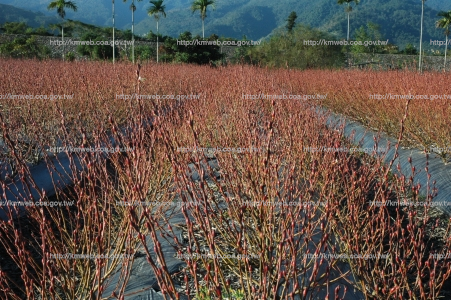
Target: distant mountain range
[(439, 4), (399, 19), (10, 13)]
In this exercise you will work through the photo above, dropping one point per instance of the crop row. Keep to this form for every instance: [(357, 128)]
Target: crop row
[(271, 240)]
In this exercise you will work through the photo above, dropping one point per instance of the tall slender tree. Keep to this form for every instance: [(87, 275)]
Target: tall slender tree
[(291, 21), (420, 62), (113, 35), (202, 5), (60, 6), (445, 23), (133, 8), (348, 9), (157, 9)]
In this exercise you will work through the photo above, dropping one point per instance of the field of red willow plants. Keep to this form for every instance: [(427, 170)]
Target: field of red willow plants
[(312, 203), (377, 100)]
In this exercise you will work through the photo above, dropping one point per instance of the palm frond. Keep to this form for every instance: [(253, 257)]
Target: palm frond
[(444, 22), (157, 9), (60, 5)]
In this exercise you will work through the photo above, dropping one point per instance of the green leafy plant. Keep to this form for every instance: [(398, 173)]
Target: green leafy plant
[(203, 294), (24, 47), (95, 51), (70, 56), (293, 50)]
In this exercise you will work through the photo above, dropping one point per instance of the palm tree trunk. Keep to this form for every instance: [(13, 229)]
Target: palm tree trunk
[(157, 41), (420, 65), (133, 32), (203, 29), (347, 44), (62, 37), (446, 49), (113, 35), (348, 22)]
